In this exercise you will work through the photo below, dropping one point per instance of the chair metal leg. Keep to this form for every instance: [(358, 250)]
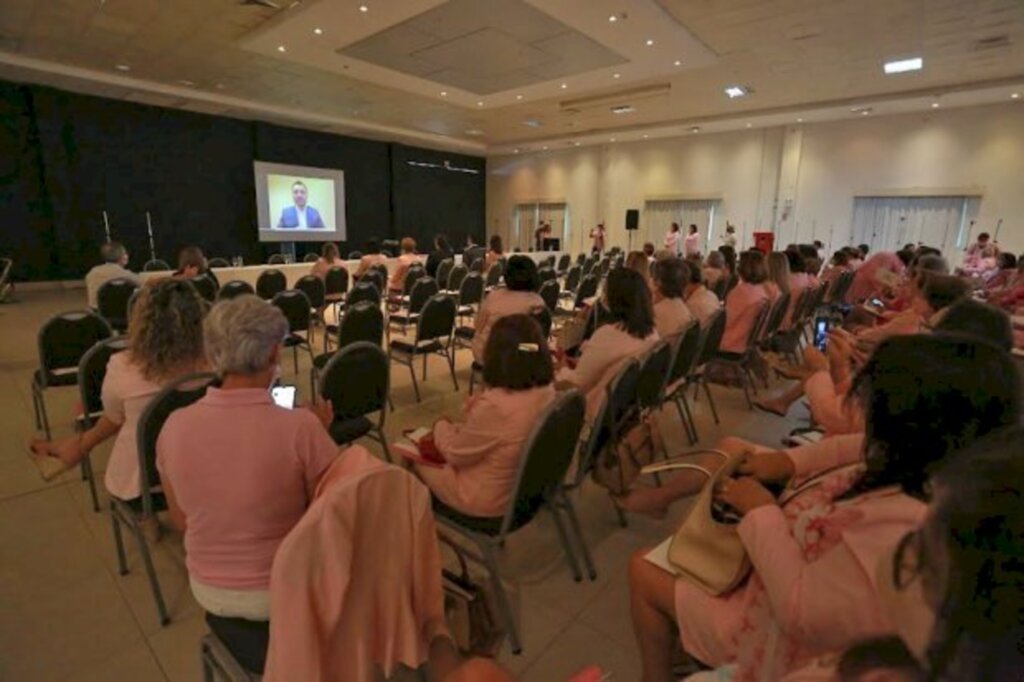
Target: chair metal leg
[(682, 417), (154, 584), (295, 358), (46, 417), (122, 560), (204, 659), (620, 514), (384, 444), (491, 562), (425, 366), (472, 379), (90, 478), (412, 373), (711, 401), (574, 523), (35, 406), (570, 555), (450, 357)]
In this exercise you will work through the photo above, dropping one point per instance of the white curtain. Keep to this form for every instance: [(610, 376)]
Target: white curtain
[(525, 224), (659, 216), (887, 223)]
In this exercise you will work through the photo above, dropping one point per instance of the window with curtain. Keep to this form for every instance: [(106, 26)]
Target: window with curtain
[(887, 223), (659, 216), (529, 216)]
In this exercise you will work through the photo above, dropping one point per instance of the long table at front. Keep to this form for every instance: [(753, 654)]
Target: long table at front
[(294, 271)]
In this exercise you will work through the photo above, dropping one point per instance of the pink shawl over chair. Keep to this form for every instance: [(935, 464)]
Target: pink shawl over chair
[(356, 585)]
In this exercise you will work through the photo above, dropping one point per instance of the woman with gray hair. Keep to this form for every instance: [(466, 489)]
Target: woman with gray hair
[(714, 268), (239, 471)]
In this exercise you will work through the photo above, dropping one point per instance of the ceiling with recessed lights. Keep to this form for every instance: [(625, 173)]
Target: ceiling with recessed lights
[(493, 75)]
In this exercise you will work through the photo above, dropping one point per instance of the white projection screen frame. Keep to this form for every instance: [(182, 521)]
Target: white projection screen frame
[(326, 196)]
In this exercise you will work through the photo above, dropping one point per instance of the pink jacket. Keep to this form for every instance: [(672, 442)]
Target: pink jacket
[(484, 453), (866, 282), (356, 585), (813, 586), (742, 306)]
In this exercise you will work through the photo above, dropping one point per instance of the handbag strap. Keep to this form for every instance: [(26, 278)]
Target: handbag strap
[(675, 462), (814, 481), (459, 554)]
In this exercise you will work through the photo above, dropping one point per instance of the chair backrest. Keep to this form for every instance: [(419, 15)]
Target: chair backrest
[(654, 372), (206, 286), (112, 301), (336, 281), (355, 255), (374, 277), (548, 262), (355, 380), (572, 278), (422, 290), (547, 454), (155, 265), (296, 308), (686, 352), (314, 289), (587, 266), (235, 287), (549, 291), (92, 369), (564, 262), (219, 263), (444, 269), (759, 324), (437, 320), (622, 392), (270, 283), (775, 316), (546, 274), (586, 289), (276, 259), (174, 396), (604, 266), (363, 322), (477, 265), (493, 276), (472, 290), (544, 319), (310, 258), (414, 274), (455, 277), (711, 338), (730, 284), (364, 291), (66, 337), (840, 287)]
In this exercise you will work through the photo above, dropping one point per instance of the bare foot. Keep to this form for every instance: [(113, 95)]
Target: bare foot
[(646, 501), (773, 406)]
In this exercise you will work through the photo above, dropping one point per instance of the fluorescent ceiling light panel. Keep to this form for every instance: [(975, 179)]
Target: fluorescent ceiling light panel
[(904, 65), (623, 109), (735, 91)]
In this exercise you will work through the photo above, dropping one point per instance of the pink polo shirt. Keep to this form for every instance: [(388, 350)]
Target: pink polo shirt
[(243, 471), (125, 394)]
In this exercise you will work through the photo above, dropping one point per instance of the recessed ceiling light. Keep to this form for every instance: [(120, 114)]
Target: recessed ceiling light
[(865, 112), (904, 65), (695, 129), (364, 8), (544, 148), (1015, 95), (123, 67), (280, 48), (616, 75), (564, 86), (612, 140), (750, 125), (935, 105), (515, 151), (735, 91), (519, 97), (479, 104), (444, 93), (799, 120), (646, 136), (623, 109), (649, 42), (575, 144), (318, 31), (475, 132), (613, 18), (678, 62)]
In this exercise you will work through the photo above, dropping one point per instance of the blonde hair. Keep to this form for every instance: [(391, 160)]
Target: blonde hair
[(778, 270), (165, 332)]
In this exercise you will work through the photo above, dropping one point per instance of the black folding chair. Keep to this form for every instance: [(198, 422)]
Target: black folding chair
[(363, 292), (219, 263), (547, 454), (711, 339), (112, 302), (362, 323), (421, 292), (587, 266), (683, 361), (587, 289), (155, 265), (62, 341), (356, 381), (270, 283), (92, 370), (206, 286), (563, 263), (547, 274), (355, 255), (310, 257), (572, 281), (434, 329), (455, 277), (276, 259), (471, 293), (296, 308), (655, 368), (444, 270), (477, 266), (233, 289), (336, 284), (130, 513), (314, 289), (377, 278), (493, 277), (742, 362), (549, 291)]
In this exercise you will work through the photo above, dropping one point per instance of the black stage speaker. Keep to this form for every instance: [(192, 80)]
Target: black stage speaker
[(552, 244), (632, 219)]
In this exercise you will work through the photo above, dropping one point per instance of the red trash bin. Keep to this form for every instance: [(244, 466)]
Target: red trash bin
[(764, 242)]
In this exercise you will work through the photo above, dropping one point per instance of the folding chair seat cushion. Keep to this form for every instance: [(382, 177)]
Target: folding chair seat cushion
[(69, 378), (729, 356), (135, 504), (477, 524), (348, 430), (295, 340), (412, 348), (321, 360), (465, 332)]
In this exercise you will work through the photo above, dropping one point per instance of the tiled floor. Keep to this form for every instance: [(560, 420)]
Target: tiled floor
[(65, 613)]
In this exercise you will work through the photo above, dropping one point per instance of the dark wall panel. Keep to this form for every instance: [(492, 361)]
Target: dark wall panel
[(64, 158)]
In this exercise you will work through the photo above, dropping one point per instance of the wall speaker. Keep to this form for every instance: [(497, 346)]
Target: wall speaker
[(632, 219)]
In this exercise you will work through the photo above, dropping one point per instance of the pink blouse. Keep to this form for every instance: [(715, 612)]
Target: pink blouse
[(703, 304), (125, 394), (484, 453), (404, 262), (866, 281), (742, 306), (671, 317), (498, 304), (368, 261)]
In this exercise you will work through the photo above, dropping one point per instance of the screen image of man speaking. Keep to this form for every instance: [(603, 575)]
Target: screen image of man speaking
[(300, 216)]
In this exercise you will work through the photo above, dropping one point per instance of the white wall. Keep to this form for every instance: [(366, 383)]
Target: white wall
[(813, 170)]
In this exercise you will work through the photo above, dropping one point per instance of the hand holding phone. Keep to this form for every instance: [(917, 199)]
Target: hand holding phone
[(821, 325), (283, 396)]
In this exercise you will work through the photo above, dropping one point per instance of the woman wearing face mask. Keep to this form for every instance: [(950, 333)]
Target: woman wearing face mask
[(811, 589), (239, 471)]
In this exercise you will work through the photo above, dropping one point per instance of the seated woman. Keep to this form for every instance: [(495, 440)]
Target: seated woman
[(329, 258), (702, 303), (871, 277), (799, 281), (671, 316), (442, 252), (778, 274), (192, 263), (629, 333), (483, 454), (745, 301), (814, 557), (637, 260), (519, 296), (494, 254), (714, 268), (372, 257), (239, 472), (165, 342), (408, 256)]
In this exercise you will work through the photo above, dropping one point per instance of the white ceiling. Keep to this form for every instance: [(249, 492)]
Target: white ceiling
[(371, 73)]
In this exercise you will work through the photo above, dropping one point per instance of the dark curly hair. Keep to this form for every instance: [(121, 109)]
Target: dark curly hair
[(165, 332)]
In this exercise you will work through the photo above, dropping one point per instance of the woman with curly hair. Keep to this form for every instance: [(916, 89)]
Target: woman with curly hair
[(165, 342)]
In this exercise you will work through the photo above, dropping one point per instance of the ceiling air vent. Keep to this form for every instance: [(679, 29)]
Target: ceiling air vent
[(991, 43)]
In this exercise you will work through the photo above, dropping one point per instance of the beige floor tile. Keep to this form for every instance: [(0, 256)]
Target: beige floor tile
[(577, 647), (176, 648), (137, 664)]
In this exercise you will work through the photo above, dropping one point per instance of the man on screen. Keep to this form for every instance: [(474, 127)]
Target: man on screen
[(300, 215)]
